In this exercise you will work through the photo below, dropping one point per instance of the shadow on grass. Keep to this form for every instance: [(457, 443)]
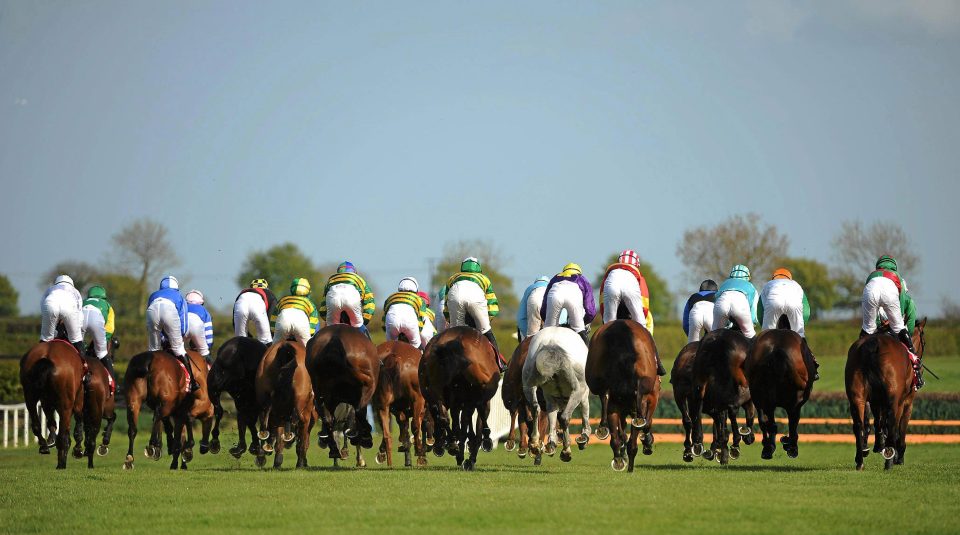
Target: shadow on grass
[(734, 467), (490, 469)]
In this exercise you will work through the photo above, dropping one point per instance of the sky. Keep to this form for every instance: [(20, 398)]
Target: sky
[(560, 131)]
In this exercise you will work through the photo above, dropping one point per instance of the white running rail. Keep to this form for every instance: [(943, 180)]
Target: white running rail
[(11, 425)]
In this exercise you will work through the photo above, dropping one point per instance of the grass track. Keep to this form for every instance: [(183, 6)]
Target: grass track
[(818, 492)]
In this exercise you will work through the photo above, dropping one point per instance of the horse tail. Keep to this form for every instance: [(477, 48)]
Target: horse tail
[(138, 368), (621, 371), (40, 375), (286, 358), (870, 367), (716, 354), (550, 360)]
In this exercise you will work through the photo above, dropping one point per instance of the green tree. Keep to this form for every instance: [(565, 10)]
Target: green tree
[(710, 252), (281, 264), (123, 292), (8, 298), (492, 262), (661, 300), (820, 288)]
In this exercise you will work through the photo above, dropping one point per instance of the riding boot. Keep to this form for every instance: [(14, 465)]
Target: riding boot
[(366, 332), (501, 365), (82, 349), (194, 386), (906, 340), (863, 333), (108, 364), (586, 337), (660, 369), (816, 365)]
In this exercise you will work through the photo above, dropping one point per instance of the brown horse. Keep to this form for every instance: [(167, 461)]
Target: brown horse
[(780, 371), (398, 393), (235, 371), (155, 378), (622, 369), (720, 388), (99, 403), (51, 374), (681, 377), (514, 401), (285, 397), (879, 371), (344, 369), (459, 373)]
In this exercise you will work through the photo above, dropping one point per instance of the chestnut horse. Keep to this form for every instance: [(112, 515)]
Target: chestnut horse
[(156, 379), (51, 374), (879, 371), (780, 371), (344, 369), (622, 369), (285, 397), (459, 373), (235, 371), (515, 402), (720, 388), (398, 393)]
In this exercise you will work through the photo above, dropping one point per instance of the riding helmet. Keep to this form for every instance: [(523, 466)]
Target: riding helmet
[(708, 285), (300, 286), (782, 273), (408, 284), (470, 265), (887, 262), (346, 267), (425, 297), (194, 297), (64, 278), (629, 257), (571, 269), (740, 271), (97, 292), (169, 282), (259, 283)]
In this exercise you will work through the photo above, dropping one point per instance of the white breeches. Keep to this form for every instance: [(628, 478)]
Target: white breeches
[(402, 319), (564, 295), (534, 321), (427, 333), (464, 298), (776, 305), (57, 308), (881, 293), (292, 322), (700, 320), (162, 318), (196, 335), (622, 287), (344, 298), (733, 307), (250, 310), (95, 326)]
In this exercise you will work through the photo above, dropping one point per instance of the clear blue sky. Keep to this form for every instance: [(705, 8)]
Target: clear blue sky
[(562, 131)]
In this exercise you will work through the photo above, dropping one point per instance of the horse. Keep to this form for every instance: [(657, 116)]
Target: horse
[(555, 363), (621, 368), (156, 378), (780, 371), (458, 372), (515, 402), (235, 371), (344, 369), (720, 388), (879, 371), (285, 397), (52, 374), (99, 403), (398, 392)]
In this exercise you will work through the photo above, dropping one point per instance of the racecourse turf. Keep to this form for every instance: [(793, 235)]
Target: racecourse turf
[(819, 492)]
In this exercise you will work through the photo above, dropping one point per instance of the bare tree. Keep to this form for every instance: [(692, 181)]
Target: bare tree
[(82, 273), (144, 251), (492, 261), (949, 309), (856, 247), (710, 252)]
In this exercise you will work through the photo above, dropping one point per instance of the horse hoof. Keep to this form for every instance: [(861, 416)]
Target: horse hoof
[(267, 447), (618, 465), (767, 453), (698, 450), (718, 455), (187, 455), (889, 453), (749, 438), (261, 461), (566, 456), (430, 442), (215, 447), (467, 465), (648, 450), (439, 452), (204, 447), (538, 460), (263, 435), (792, 452), (522, 453), (102, 450), (361, 463), (487, 445), (603, 433), (708, 455), (639, 422), (344, 452), (44, 449), (550, 449), (865, 452), (510, 445), (237, 451), (735, 453), (77, 454), (687, 457), (288, 437), (582, 440), (156, 453), (128, 463), (381, 457), (421, 461), (744, 430)]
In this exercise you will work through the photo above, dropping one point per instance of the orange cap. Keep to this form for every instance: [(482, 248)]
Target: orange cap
[(782, 273)]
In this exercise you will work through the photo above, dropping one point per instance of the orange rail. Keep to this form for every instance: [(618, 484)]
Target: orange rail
[(803, 421)]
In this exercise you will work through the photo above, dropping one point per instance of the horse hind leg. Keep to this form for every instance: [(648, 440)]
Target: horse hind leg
[(859, 430), (104, 447), (78, 440), (790, 441), (133, 414), (63, 439)]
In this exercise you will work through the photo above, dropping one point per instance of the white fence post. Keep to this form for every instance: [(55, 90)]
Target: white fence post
[(15, 409)]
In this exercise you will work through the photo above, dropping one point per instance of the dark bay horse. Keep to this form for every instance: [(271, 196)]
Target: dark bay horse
[(514, 401), (99, 404), (156, 379), (51, 374), (879, 371), (398, 393), (720, 388), (285, 397), (622, 369), (458, 373), (344, 369), (234, 371)]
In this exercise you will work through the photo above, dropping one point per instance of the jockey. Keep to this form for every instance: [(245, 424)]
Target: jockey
[(254, 306), (347, 293), (62, 303), (296, 314), (698, 312), (529, 321), (624, 286), (167, 318), (442, 320), (886, 291), (199, 324), (470, 299), (429, 317), (736, 302), (569, 290), (782, 296), (99, 320), (403, 313)]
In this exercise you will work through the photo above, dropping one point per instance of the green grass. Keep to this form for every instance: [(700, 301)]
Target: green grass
[(818, 492)]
